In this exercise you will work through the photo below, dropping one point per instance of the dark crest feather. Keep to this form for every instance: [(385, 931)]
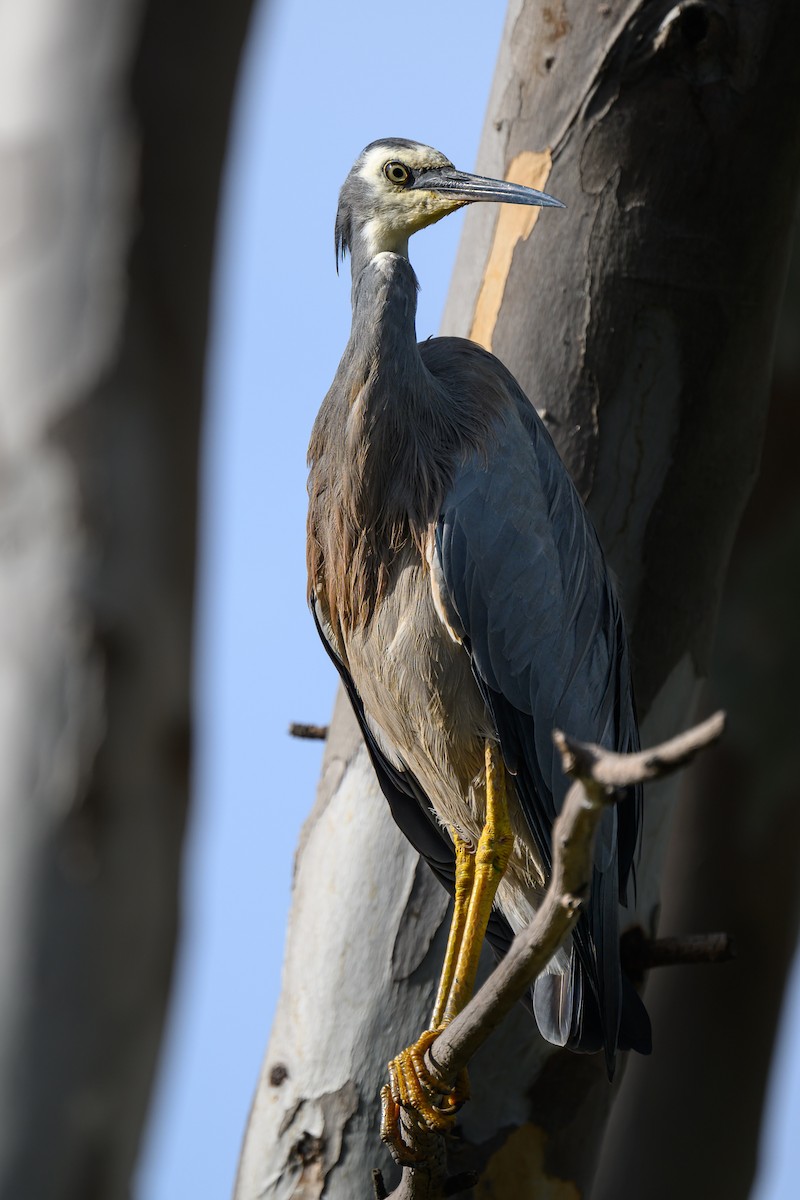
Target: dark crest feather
[(343, 232)]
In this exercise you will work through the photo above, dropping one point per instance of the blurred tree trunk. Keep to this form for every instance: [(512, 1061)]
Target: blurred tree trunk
[(113, 132), (642, 325)]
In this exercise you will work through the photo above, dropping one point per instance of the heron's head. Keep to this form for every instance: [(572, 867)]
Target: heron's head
[(397, 187)]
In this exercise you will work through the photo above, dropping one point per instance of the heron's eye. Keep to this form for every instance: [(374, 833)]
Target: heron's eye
[(397, 172)]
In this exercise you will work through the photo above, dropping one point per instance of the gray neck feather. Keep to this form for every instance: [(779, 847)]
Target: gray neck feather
[(383, 330)]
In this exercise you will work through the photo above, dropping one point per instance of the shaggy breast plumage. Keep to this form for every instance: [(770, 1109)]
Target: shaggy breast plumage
[(387, 441)]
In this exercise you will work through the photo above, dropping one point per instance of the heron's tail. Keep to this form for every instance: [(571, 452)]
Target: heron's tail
[(586, 1001), (568, 1013)]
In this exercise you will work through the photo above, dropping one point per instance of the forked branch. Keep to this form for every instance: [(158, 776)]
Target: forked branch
[(601, 776)]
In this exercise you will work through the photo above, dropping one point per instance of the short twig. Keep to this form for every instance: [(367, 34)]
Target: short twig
[(379, 1191), (640, 953), (313, 732)]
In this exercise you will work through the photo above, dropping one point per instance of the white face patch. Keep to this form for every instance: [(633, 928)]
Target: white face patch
[(418, 158), (400, 211)]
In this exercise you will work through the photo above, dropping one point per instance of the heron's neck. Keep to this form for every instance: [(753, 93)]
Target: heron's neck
[(371, 239), (384, 313)]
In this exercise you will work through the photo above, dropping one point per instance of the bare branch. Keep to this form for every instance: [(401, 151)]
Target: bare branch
[(591, 763), (601, 777)]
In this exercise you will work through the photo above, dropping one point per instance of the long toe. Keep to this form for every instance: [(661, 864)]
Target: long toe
[(413, 1089)]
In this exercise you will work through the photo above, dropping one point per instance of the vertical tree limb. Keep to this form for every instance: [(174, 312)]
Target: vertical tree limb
[(734, 859), (644, 334)]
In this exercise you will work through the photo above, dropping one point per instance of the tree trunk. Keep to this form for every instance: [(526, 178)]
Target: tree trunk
[(642, 326), (734, 861), (102, 379)]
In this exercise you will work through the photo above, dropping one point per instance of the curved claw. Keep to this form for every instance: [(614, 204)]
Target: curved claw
[(412, 1087), (391, 1134)]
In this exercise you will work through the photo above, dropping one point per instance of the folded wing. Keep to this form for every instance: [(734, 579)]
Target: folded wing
[(529, 591)]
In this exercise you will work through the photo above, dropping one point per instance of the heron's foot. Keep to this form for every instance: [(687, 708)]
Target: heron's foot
[(412, 1087)]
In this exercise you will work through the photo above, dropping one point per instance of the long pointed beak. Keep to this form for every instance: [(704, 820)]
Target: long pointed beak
[(457, 185)]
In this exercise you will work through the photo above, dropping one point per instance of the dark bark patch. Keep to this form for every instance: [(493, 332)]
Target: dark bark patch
[(312, 1134), (422, 916), (278, 1074)]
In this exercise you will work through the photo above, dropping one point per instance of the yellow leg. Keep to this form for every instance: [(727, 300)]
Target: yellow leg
[(491, 859), (477, 879), (465, 874)]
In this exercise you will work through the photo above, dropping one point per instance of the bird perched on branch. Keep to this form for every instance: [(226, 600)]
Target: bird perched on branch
[(461, 591)]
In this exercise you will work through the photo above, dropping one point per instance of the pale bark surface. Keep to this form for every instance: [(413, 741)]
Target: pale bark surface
[(642, 324), (108, 207)]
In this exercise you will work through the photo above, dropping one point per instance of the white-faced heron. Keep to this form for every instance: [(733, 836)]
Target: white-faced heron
[(461, 591)]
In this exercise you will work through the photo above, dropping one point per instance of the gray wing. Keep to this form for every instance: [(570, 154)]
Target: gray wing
[(527, 580)]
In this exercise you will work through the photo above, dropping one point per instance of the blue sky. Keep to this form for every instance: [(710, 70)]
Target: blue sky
[(320, 81)]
